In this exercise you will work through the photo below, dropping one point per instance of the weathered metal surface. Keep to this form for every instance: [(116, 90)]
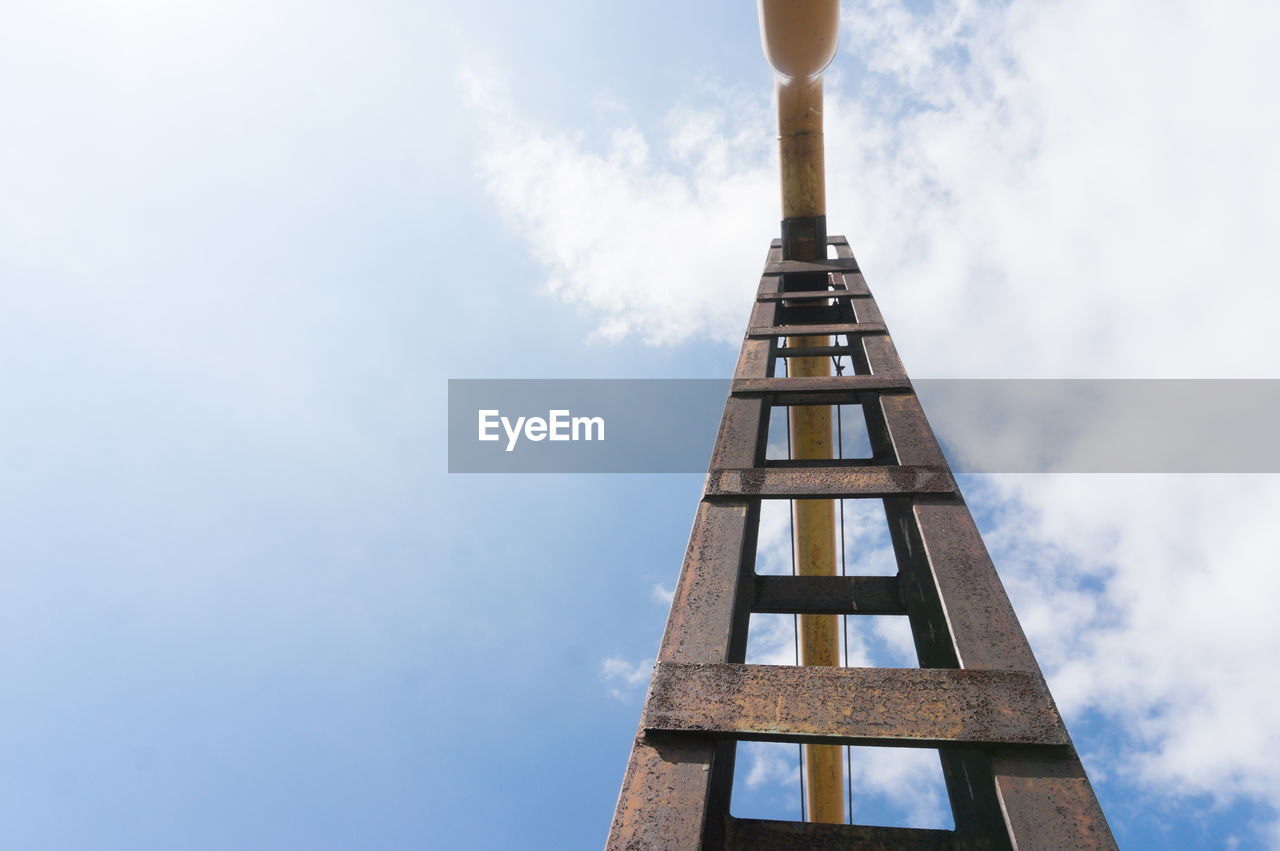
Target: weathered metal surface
[(865, 309), (807, 295), (836, 385), (764, 313), (742, 433), (855, 281), (753, 834), (984, 631), (800, 398), (793, 267), (824, 330), (757, 358), (819, 463), (909, 432), (836, 482), (802, 234), (980, 685), (832, 239), (1048, 803), (927, 616), (663, 801), (831, 595), (975, 808), (915, 707), (700, 627)]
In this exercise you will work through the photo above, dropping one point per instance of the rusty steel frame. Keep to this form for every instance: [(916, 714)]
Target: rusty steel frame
[(1013, 777)]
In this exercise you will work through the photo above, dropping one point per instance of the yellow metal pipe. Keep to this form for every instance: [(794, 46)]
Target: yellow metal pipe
[(799, 40), (800, 149), (815, 543)]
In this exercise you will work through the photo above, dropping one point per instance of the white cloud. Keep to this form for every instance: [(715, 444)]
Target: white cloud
[(771, 763), (661, 594), (1160, 620), (663, 241), (1061, 179), (625, 677), (911, 780), (1060, 189)]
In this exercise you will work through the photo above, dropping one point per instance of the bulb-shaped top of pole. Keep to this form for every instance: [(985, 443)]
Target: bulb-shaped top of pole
[(799, 36), (799, 39)]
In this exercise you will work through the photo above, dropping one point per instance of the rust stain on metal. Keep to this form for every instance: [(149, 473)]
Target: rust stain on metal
[(830, 482), (923, 707), (980, 699)]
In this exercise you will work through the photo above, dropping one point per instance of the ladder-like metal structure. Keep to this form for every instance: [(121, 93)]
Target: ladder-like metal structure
[(1012, 775)]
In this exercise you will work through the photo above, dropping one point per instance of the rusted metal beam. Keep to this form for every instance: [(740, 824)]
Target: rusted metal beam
[(980, 688), (785, 388), (809, 295), (675, 791), (701, 626), (866, 310), (910, 707), (835, 482), (824, 330), (832, 239), (821, 463), (818, 265), (752, 834), (1048, 802), (663, 802), (770, 288)]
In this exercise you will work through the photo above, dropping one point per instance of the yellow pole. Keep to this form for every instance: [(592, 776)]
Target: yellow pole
[(800, 152), (816, 556), (799, 39)]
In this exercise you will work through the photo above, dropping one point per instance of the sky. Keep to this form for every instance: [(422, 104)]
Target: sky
[(244, 245)]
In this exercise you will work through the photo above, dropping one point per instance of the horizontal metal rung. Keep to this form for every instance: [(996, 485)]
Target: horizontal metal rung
[(831, 240), (829, 482), (808, 295), (750, 834), (811, 286), (816, 329), (909, 707), (823, 462), (819, 385), (796, 267), (829, 595)]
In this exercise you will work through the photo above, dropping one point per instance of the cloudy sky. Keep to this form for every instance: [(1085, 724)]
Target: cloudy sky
[(243, 246)]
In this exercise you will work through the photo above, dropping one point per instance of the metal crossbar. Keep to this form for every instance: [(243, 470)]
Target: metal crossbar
[(1013, 778)]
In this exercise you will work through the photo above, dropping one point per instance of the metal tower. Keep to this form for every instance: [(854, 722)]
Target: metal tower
[(1013, 778), (1012, 775)]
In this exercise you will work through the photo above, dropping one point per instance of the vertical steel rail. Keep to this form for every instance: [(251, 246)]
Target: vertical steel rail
[(1013, 778)]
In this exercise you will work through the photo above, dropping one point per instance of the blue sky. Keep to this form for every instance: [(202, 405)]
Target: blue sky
[(244, 245)]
